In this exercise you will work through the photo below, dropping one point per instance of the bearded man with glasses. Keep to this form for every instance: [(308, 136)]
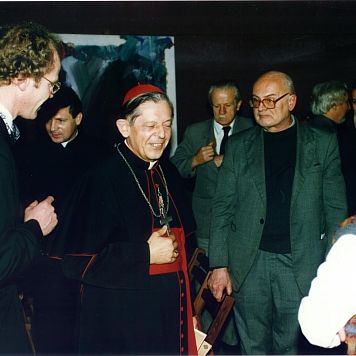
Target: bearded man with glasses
[(280, 196)]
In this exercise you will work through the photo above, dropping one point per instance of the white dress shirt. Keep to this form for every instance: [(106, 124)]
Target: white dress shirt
[(219, 133)]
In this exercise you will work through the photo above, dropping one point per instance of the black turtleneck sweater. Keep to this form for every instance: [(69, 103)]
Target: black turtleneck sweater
[(280, 157)]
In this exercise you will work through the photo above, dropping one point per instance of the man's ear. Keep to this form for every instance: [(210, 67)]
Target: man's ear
[(292, 101), (238, 105), (78, 118), (124, 127)]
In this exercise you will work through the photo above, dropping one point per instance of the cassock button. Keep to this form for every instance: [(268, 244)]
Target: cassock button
[(181, 322), (182, 349), (182, 295), (182, 336), (181, 309), (181, 281)]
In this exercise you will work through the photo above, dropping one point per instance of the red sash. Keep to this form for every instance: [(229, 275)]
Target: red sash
[(180, 265)]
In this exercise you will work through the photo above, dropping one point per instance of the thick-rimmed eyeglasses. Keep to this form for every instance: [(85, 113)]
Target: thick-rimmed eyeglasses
[(55, 86), (267, 102)]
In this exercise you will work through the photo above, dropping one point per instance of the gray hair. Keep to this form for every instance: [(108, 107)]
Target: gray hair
[(224, 85), (326, 95)]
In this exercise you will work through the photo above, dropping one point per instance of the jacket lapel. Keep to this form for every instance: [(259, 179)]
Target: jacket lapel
[(4, 133), (305, 156), (255, 161)]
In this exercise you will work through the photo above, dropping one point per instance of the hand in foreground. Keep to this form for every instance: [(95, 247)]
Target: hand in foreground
[(205, 154), (218, 282), (163, 248), (342, 335), (44, 213), (348, 335)]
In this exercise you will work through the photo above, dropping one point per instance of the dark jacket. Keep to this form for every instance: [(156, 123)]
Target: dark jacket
[(19, 244)]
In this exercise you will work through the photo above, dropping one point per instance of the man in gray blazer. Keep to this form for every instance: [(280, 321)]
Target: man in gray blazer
[(200, 153), (279, 198)]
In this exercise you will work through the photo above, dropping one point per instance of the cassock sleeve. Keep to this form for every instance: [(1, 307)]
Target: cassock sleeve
[(93, 238)]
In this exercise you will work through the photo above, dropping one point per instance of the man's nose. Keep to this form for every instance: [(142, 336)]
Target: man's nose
[(160, 131), (222, 110), (53, 125), (261, 106)]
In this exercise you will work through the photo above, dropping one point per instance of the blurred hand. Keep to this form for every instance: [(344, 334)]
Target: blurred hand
[(44, 213), (205, 154), (163, 248), (342, 335), (219, 282)]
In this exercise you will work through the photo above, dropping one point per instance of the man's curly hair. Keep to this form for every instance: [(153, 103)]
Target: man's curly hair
[(26, 51)]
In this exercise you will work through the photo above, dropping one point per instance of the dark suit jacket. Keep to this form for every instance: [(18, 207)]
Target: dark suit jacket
[(195, 137), (19, 244), (346, 135), (318, 203)]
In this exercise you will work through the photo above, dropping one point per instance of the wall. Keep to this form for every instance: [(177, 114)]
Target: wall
[(312, 40)]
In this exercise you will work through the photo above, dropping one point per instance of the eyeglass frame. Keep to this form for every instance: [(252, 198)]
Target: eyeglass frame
[(274, 101), (55, 86)]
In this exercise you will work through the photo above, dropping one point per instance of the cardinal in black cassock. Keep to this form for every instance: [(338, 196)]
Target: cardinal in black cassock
[(134, 300)]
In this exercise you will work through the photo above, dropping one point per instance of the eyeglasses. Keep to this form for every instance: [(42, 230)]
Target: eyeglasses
[(55, 86), (267, 102)]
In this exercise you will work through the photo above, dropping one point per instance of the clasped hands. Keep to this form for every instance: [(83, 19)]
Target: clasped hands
[(163, 247)]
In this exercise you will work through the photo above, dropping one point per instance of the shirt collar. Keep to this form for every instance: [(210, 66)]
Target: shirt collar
[(65, 143), (141, 162), (218, 127), (7, 118)]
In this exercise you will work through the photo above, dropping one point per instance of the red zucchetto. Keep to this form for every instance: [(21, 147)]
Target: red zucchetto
[(139, 90)]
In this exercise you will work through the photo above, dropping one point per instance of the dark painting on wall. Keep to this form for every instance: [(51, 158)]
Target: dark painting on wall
[(102, 68)]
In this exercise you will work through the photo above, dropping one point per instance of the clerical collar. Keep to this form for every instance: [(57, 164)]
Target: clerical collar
[(138, 161), (7, 118), (151, 165), (65, 143)]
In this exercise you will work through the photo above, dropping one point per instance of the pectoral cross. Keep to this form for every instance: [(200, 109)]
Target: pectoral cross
[(164, 219)]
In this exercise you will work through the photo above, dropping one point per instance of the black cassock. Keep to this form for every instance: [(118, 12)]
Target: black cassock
[(127, 306)]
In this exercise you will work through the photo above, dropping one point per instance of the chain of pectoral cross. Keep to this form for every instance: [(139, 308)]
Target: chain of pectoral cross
[(164, 219), (163, 210)]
